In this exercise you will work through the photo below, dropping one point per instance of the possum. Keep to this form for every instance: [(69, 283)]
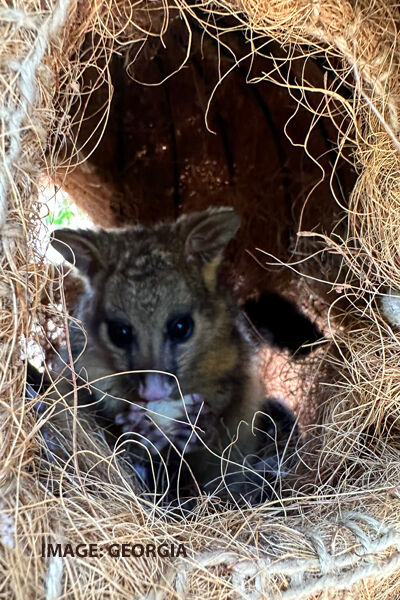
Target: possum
[(164, 348)]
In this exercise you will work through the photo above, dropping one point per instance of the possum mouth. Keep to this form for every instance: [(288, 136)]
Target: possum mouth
[(167, 421)]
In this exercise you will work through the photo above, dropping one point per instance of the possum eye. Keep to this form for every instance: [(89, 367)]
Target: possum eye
[(180, 328), (119, 333)]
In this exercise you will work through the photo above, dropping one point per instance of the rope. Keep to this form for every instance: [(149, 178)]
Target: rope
[(15, 116), (251, 578)]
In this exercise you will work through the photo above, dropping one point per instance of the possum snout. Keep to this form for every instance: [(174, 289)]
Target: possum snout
[(155, 386)]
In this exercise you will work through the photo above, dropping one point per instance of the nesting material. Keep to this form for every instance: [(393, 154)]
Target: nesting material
[(333, 531)]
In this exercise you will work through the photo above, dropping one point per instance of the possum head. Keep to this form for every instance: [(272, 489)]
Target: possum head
[(153, 303)]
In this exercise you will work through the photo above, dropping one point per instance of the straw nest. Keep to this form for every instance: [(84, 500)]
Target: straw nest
[(335, 532)]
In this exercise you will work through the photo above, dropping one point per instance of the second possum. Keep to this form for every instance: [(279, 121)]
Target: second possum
[(153, 302)]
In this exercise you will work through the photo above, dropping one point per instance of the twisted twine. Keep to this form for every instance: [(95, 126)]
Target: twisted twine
[(15, 114), (252, 578)]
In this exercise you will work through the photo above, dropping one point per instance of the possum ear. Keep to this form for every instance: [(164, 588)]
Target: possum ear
[(80, 248), (210, 232)]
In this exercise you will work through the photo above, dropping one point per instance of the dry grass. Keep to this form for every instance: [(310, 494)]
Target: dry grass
[(336, 528)]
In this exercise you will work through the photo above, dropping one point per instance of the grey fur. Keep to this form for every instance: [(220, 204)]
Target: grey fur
[(144, 276)]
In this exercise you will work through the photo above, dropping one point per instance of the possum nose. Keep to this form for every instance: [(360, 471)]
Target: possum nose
[(154, 386)]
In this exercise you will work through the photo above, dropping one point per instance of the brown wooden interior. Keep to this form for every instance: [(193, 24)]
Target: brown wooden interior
[(157, 159)]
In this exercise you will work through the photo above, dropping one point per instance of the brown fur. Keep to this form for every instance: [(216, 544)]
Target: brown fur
[(145, 276)]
